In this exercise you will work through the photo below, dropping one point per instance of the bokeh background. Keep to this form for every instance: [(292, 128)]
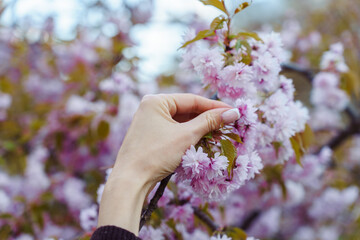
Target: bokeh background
[(72, 73)]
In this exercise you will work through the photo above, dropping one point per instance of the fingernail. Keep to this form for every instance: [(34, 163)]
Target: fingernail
[(230, 116)]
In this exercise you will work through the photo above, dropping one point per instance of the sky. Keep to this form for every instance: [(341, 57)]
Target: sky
[(157, 42)]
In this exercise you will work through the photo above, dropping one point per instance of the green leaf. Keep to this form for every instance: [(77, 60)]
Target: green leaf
[(172, 225), (273, 174), (246, 58), (236, 233), (228, 150), (217, 23), (9, 145), (350, 82), (208, 136), (6, 216), (307, 136), (205, 209), (201, 35), (277, 146), (242, 7), (234, 137), (216, 3), (103, 129), (296, 146), (301, 142), (249, 35)]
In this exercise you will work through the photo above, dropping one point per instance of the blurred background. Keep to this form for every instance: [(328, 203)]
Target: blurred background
[(72, 73), (158, 39)]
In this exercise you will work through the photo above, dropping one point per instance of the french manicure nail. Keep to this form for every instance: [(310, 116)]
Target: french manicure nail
[(230, 116)]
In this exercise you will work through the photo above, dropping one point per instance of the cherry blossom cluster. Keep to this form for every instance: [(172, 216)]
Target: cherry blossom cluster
[(327, 96), (248, 79)]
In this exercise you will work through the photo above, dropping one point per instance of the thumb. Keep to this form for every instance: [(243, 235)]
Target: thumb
[(211, 120)]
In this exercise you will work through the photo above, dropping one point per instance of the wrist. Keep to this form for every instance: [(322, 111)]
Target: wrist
[(132, 166), (122, 201)]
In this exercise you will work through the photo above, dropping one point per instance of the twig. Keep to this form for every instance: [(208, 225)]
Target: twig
[(350, 110), (353, 128), (200, 214), (206, 219), (246, 224), (153, 203), (309, 74)]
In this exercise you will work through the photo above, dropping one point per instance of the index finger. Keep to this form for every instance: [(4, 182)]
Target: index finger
[(183, 103)]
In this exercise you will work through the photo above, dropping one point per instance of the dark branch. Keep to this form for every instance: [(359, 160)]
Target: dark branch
[(290, 67), (200, 214), (145, 216), (206, 219), (350, 110), (249, 220), (352, 128)]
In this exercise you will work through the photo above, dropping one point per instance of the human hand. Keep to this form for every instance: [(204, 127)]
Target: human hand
[(163, 128)]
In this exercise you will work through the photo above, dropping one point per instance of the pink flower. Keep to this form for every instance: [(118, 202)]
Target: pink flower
[(333, 202), (237, 74), (273, 44), (275, 107), (150, 233), (5, 202), (334, 60), (285, 128), (218, 164), (254, 165), (267, 224), (184, 213), (325, 118), (220, 237), (207, 64), (287, 87), (265, 134), (88, 218), (267, 69), (241, 171), (299, 114), (333, 98), (118, 83), (247, 111), (326, 80), (236, 82), (194, 161), (73, 193)]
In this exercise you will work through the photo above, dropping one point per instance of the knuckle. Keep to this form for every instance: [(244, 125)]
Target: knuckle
[(147, 97), (211, 122), (148, 100)]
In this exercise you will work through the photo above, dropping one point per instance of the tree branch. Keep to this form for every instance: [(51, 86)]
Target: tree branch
[(350, 110), (146, 214), (249, 220), (309, 74), (291, 67), (206, 219)]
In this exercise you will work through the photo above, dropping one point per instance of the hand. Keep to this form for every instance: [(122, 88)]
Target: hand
[(163, 128)]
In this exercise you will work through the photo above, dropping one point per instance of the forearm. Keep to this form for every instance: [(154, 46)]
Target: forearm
[(122, 202)]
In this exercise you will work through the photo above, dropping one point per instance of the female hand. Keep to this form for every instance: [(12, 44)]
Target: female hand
[(162, 129)]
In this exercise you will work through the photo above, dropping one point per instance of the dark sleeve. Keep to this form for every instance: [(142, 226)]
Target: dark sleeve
[(113, 233)]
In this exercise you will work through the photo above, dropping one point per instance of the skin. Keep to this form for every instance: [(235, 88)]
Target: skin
[(162, 129)]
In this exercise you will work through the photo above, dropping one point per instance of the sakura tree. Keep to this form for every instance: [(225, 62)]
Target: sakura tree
[(287, 169)]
